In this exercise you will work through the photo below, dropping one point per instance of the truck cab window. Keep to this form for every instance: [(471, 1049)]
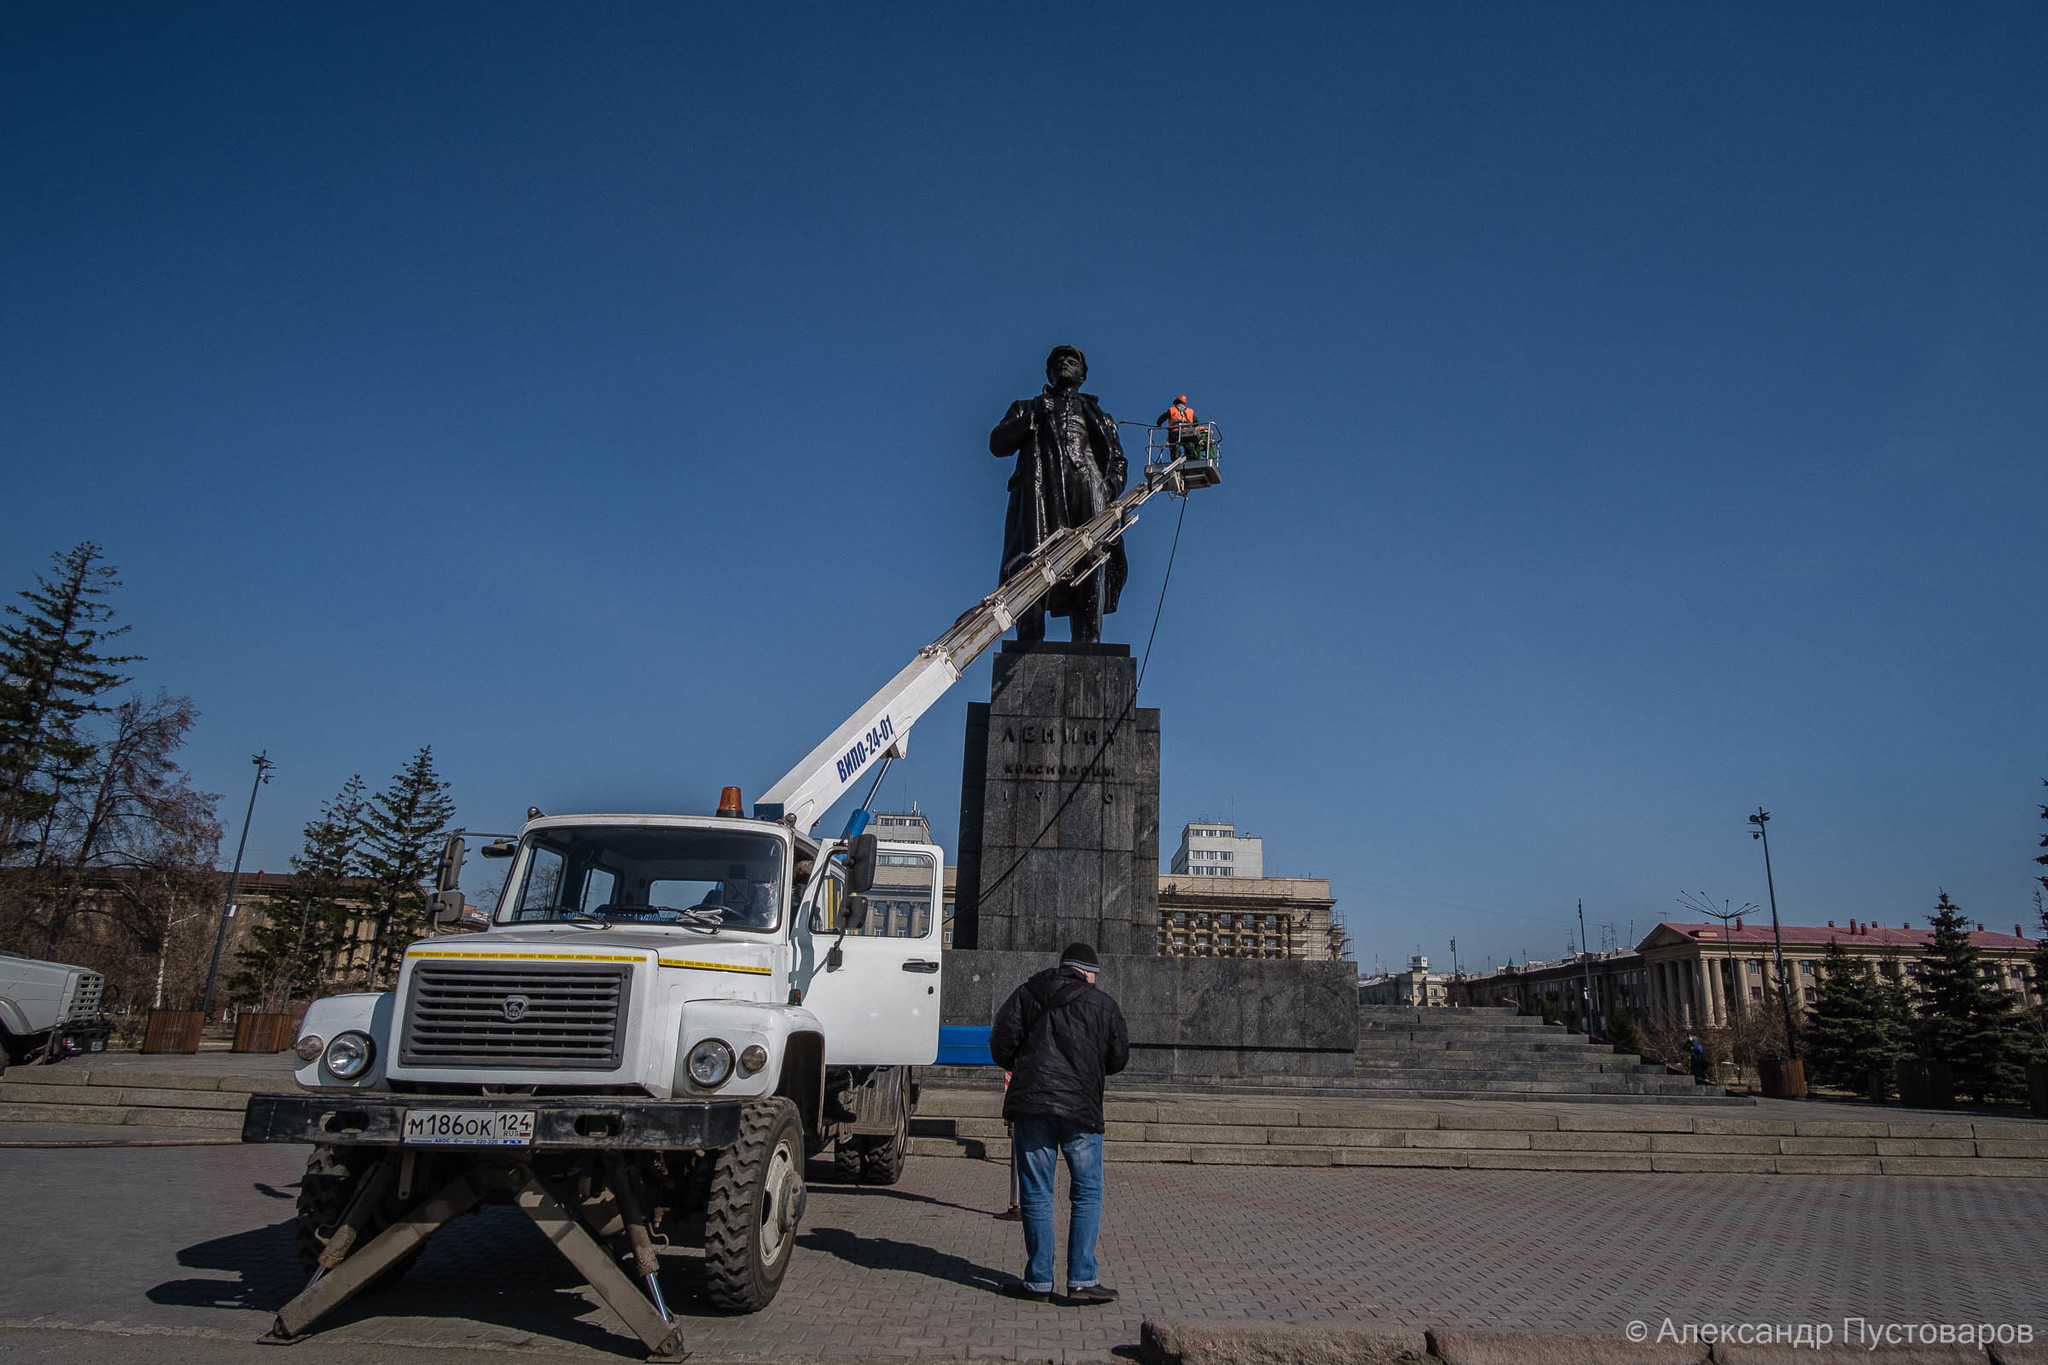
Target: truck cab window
[(649, 874), (900, 902)]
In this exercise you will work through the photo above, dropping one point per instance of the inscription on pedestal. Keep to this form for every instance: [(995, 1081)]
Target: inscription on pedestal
[(1059, 805)]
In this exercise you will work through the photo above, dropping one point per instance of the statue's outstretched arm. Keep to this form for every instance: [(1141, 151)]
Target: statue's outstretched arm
[(1008, 437)]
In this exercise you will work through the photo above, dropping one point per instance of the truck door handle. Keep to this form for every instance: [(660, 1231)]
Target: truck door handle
[(920, 965)]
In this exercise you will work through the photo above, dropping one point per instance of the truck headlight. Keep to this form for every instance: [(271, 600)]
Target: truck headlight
[(310, 1047), (710, 1063), (349, 1055), (753, 1058)]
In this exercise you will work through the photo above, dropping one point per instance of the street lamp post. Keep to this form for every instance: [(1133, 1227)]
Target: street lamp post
[(1454, 972), (1762, 820), (220, 934), (1587, 960)]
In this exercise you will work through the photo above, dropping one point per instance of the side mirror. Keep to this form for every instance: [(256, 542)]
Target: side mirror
[(862, 856), (854, 918), (447, 907), (452, 854)]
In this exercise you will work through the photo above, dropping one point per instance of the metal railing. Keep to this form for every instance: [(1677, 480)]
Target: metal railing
[(1201, 441)]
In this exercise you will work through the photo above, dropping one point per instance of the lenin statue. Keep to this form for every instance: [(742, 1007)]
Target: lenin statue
[(1070, 466)]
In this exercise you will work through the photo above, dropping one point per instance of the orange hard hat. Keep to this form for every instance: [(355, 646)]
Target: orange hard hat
[(1182, 399)]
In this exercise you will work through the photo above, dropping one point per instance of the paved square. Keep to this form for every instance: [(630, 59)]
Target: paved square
[(200, 1239)]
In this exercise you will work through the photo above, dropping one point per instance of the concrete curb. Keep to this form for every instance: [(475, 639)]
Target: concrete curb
[(1273, 1343), (1188, 1342)]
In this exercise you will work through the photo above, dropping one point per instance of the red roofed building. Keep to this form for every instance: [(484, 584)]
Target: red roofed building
[(1702, 976)]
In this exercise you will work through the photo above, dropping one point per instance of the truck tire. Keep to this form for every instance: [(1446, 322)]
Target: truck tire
[(881, 1163), (757, 1200), (871, 1160), (27, 1049), (323, 1199)]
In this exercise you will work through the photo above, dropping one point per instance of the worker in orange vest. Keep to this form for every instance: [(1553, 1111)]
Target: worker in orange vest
[(1182, 429)]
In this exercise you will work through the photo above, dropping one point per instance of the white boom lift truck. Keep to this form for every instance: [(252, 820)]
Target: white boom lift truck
[(667, 1014)]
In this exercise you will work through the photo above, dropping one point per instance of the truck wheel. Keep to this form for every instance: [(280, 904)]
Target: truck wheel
[(882, 1161), (757, 1200), (848, 1156), (27, 1049), (323, 1199)]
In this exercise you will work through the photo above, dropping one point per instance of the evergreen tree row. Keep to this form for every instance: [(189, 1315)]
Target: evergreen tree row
[(90, 784), (1863, 1023), (358, 892)]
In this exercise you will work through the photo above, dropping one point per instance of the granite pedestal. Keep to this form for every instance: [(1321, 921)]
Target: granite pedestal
[(1059, 763), (1059, 841), (1193, 1018)]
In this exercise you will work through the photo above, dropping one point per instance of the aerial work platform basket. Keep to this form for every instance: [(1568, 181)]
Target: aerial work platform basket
[(1199, 446)]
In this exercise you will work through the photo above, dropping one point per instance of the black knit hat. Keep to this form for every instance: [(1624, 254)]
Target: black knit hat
[(1080, 956)]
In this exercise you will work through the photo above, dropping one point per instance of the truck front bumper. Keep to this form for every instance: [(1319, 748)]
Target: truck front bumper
[(83, 1036), (560, 1123)]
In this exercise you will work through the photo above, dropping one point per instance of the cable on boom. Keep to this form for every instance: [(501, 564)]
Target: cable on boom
[(1110, 737)]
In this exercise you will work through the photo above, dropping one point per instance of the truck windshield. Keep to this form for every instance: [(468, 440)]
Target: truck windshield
[(646, 874)]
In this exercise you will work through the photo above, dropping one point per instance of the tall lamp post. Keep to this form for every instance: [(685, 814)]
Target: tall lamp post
[(1586, 958), (220, 934), (1762, 820)]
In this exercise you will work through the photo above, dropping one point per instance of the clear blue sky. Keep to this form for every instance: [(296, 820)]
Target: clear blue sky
[(1635, 412)]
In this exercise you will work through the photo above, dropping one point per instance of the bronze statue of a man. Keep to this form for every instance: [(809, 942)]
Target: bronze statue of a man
[(1070, 466)]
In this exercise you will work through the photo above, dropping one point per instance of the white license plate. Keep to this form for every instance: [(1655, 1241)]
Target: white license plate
[(469, 1127)]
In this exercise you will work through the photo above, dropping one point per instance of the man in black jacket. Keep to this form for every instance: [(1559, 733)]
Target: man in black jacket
[(1059, 1037)]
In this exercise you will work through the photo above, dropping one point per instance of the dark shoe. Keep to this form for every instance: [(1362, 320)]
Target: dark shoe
[(1012, 1214), (1093, 1294), (1017, 1289)]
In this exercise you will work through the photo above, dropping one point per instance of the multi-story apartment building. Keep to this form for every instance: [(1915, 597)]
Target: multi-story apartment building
[(1210, 848), (1275, 917)]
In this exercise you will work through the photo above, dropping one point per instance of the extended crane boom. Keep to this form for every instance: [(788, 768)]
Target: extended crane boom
[(882, 724)]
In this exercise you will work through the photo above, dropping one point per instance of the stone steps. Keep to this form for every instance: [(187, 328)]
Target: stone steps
[(118, 1097), (1617, 1089), (1508, 1066), (1185, 1128), (1482, 1053)]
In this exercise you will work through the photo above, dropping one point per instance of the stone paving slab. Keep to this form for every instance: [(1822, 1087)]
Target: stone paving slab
[(204, 1244)]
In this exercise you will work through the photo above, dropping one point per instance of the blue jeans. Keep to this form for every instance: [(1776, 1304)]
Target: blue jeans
[(1039, 1142)]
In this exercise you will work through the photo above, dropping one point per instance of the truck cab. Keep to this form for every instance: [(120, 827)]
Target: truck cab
[(49, 1011), (673, 957)]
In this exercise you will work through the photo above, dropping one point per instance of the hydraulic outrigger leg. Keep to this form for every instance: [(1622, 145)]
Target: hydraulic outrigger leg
[(333, 1284)]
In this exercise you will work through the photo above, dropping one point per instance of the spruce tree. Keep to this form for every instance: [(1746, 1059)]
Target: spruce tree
[(304, 934), (403, 827), (1895, 1013), (1621, 1030), (52, 673), (1965, 1020), (1851, 1030), (2041, 943)]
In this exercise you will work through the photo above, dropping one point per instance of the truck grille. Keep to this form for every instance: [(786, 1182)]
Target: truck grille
[(85, 999), (527, 1016)]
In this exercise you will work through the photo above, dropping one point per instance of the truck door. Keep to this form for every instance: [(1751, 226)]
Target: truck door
[(880, 1006)]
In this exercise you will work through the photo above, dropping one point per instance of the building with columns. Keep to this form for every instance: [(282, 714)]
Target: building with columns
[(1265, 917), (1418, 987), (1708, 975)]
